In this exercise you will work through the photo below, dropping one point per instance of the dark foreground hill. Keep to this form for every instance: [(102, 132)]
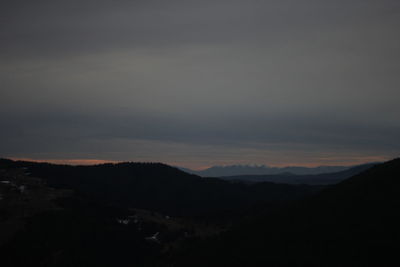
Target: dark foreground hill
[(355, 223), (159, 187), (153, 215), (127, 214)]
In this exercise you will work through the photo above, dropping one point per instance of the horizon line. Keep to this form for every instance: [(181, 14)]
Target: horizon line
[(91, 162)]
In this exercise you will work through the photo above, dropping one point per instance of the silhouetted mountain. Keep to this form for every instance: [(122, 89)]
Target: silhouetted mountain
[(107, 215), (354, 223), (311, 179), (158, 187), (235, 170), (60, 215)]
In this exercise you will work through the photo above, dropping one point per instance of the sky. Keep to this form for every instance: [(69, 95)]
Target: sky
[(200, 83)]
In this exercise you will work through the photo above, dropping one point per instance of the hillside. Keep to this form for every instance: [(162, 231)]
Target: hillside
[(158, 187), (152, 214), (107, 215), (354, 223)]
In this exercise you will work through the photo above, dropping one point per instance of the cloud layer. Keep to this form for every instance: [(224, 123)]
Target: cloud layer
[(200, 82)]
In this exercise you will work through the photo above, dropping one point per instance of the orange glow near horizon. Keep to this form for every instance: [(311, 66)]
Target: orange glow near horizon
[(69, 161), (331, 161)]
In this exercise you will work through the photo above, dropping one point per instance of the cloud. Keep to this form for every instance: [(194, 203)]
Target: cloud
[(264, 75)]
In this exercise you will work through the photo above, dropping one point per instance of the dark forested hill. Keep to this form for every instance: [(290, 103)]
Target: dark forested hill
[(130, 214), (150, 214), (355, 223), (159, 187)]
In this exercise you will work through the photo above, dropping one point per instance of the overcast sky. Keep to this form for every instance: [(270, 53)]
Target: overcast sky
[(201, 83)]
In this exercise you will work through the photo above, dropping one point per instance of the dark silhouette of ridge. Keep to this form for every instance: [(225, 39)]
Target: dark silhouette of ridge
[(103, 215), (159, 187), (354, 223)]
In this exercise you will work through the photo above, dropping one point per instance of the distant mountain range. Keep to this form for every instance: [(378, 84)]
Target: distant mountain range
[(234, 170), (310, 179)]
